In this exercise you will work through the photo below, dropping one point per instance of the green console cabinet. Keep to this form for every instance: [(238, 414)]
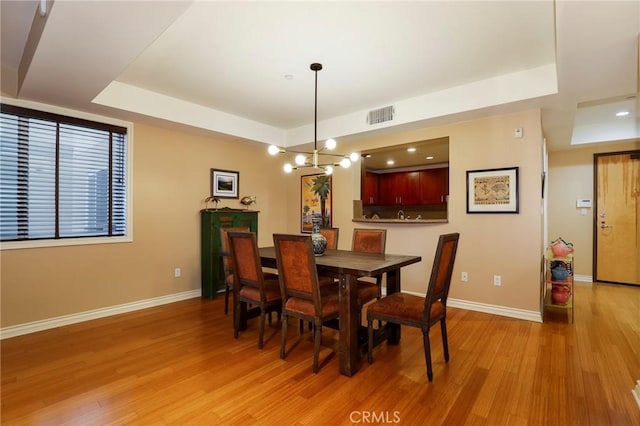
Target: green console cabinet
[(212, 221)]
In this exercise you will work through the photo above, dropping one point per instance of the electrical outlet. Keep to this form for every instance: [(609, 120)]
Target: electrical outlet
[(177, 273), (464, 277), (497, 280)]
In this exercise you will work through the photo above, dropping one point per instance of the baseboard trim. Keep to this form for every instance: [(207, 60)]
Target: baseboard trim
[(489, 309), (32, 327), (496, 310), (583, 278)]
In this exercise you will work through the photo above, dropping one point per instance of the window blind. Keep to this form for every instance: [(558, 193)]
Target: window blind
[(60, 177)]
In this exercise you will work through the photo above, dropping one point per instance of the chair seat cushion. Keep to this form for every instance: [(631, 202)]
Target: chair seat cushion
[(404, 307), (367, 292), (267, 276), (330, 305), (271, 290)]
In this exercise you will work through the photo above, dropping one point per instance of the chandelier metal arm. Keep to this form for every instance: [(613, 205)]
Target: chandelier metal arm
[(312, 159)]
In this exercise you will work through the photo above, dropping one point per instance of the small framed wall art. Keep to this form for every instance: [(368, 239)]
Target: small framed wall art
[(492, 190), (225, 183)]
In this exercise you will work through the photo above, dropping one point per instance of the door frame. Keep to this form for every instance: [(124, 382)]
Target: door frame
[(595, 208)]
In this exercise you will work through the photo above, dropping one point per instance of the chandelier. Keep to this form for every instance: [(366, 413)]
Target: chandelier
[(313, 159)]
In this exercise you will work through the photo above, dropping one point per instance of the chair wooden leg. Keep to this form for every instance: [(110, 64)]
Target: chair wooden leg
[(370, 339), (263, 313), (283, 337), (317, 331), (427, 353), (226, 299), (236, 318), (445, 342), (379, 282)]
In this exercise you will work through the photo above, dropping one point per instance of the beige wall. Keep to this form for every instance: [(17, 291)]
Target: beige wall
[(509, 245), (171, 180), (571, 178), (170, 183)]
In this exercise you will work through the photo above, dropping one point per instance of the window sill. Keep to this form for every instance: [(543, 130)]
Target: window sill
[(29, 244)]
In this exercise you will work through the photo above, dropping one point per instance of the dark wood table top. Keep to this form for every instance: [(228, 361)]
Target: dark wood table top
[(350, 262)]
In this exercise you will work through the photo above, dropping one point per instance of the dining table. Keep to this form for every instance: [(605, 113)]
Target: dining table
[(347, 266)]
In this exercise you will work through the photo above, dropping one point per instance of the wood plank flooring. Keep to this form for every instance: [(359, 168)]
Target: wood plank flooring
[(179, 364)]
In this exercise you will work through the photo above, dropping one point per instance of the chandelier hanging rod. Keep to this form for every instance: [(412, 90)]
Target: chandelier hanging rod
[(312, 159)]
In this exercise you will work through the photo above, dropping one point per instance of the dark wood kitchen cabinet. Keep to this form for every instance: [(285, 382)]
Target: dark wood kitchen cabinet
[(420, 187), (370, 192), (434, 186), (402, 188)]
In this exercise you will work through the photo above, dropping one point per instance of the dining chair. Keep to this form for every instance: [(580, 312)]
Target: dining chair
[(331, 234), (422, 312), (227, 266), (369, 241), (302, 297), (250, 284)]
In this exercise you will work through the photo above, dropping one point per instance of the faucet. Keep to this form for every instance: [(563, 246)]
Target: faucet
[(400, 215)]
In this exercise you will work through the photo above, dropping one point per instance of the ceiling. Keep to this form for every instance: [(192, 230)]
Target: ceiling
[(241, 68)]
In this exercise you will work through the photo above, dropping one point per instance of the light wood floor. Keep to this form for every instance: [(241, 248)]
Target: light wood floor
[(179, 364)]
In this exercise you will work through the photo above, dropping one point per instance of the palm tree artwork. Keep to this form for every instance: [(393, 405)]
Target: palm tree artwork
[(316, 188)]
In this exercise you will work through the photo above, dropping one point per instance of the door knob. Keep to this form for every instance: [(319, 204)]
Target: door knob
[(603, 225)]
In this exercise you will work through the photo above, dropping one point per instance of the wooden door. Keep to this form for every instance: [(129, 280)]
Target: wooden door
[(617, 221)]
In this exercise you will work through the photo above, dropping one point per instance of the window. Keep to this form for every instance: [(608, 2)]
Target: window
[(60, 177)]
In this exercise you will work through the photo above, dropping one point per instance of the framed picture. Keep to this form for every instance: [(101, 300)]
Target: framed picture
[(492, 190), (224, 183), (315, 201)]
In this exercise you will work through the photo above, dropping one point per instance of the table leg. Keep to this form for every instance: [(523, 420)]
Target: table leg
[(243, 315), (393, 286), (348, 336)]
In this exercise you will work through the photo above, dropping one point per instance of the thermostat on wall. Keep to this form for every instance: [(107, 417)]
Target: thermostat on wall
[(585, 202)]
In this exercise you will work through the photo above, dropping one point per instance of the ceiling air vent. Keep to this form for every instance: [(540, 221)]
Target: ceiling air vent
[(380, 115)]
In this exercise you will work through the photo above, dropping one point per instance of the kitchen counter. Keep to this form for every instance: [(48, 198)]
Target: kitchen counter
[(401, 221)]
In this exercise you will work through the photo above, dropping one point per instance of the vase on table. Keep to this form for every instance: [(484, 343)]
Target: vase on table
[(318, 240)]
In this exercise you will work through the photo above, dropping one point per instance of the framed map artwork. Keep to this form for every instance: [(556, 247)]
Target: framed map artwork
[(492, 190)]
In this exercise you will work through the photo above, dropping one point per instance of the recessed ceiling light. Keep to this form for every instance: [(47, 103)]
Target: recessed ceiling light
[(430, 157), (411, 150), (390, 162), (622, 113)]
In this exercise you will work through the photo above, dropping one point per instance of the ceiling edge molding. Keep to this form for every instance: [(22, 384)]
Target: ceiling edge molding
[(131, 98)]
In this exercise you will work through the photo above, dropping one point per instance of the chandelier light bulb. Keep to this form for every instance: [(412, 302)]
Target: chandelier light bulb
[(273, 150), (317, 159), (300, 160)]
